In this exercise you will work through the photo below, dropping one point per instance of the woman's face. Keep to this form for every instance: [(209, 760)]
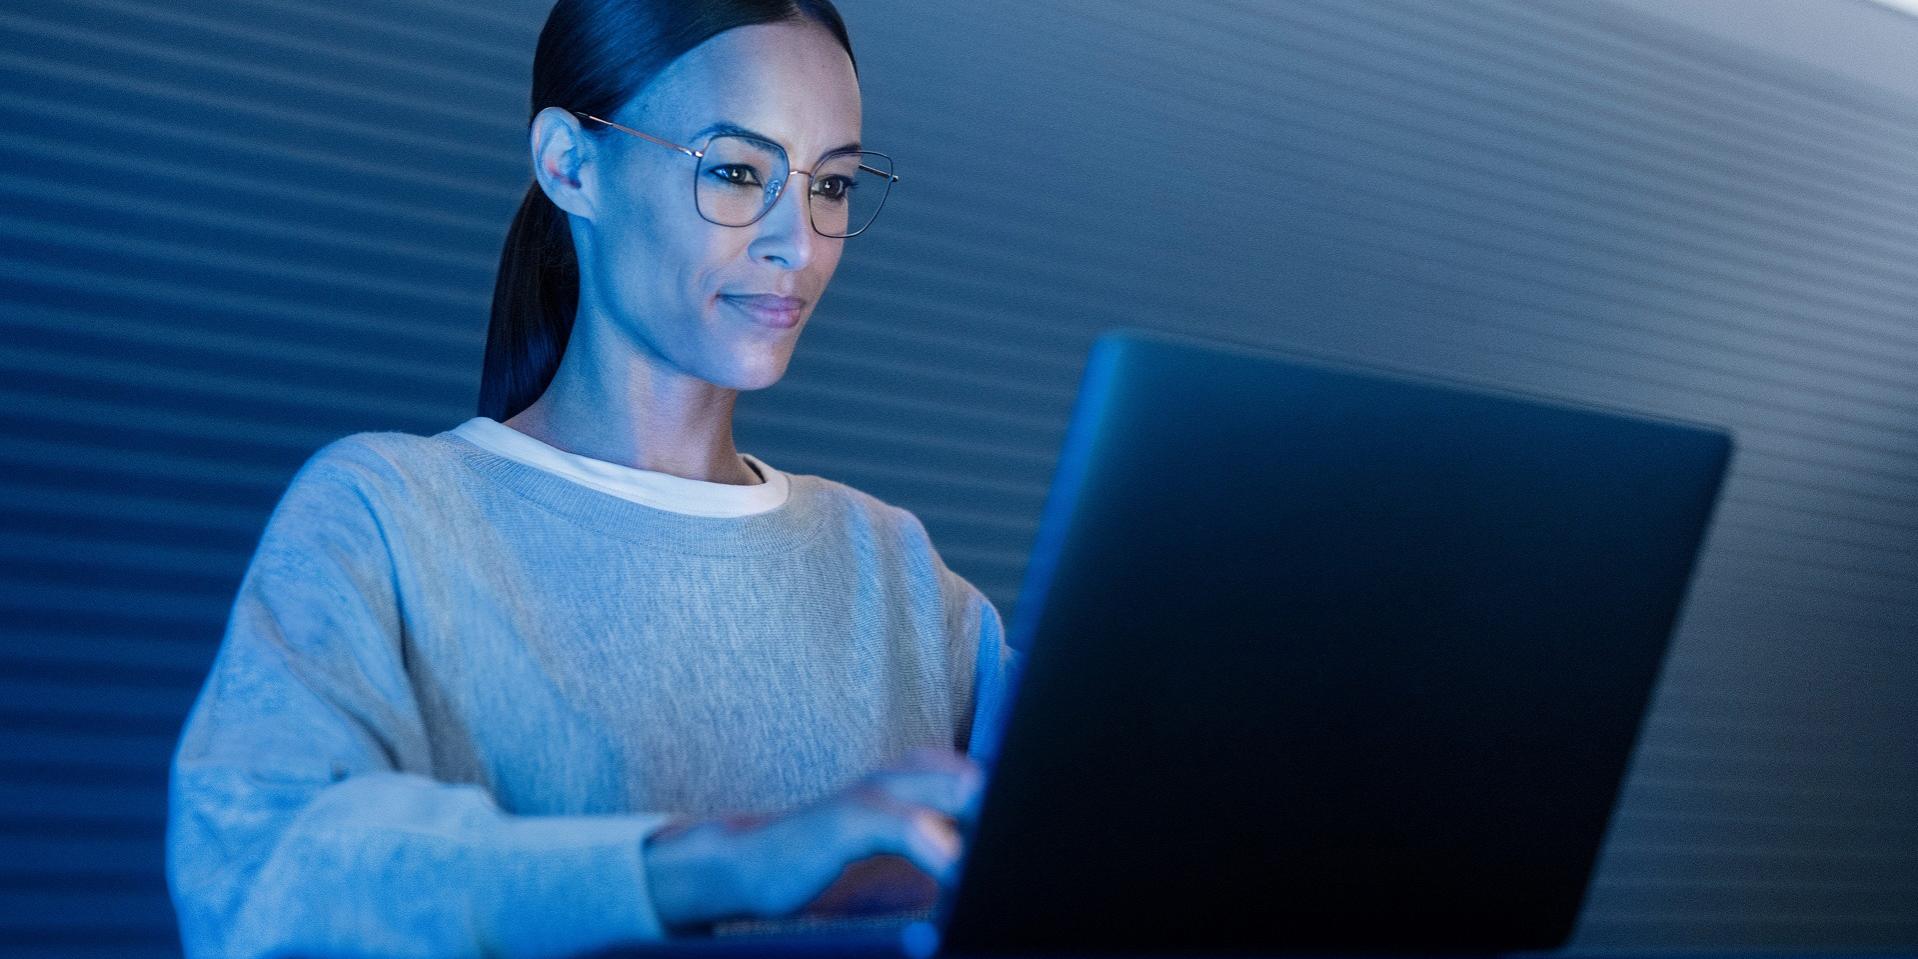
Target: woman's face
[(718, 302)]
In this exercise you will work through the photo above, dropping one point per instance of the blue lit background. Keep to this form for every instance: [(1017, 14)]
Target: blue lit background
[(230, 232)]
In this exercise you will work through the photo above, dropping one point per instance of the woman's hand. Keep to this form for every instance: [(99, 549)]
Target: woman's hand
[(884, 844)]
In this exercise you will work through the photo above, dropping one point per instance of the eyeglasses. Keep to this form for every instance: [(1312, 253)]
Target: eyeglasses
[(738, 178)]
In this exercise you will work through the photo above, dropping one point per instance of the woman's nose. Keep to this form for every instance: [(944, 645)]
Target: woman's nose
[(786, 235)]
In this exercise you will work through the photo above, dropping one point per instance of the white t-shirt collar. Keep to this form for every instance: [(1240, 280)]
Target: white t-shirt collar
[(675, 494)]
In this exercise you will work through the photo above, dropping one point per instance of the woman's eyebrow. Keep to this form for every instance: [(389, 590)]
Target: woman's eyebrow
[(724, 126)]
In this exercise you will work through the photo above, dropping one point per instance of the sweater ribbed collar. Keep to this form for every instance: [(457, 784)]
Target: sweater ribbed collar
[(787, 526)]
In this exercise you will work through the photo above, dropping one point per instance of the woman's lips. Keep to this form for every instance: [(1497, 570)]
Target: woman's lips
[(778, 312)]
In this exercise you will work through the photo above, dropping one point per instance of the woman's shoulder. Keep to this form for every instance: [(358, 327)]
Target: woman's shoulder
[(383, 463), (857, 507), (900, 530)]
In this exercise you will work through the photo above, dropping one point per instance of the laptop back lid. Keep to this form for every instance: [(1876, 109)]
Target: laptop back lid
[(1326, 659)]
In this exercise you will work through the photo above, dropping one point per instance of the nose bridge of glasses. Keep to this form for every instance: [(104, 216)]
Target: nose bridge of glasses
[(805, 213), (776, 191), (778, 188)]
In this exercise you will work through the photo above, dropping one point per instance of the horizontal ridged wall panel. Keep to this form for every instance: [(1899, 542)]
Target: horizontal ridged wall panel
[(232, 232)]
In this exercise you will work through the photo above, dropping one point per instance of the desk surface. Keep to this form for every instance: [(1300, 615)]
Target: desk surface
[(839, 947)]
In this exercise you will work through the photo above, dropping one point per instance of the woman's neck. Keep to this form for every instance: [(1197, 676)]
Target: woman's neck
[(624, 407)]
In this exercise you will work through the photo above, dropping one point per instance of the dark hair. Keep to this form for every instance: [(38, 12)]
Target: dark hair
[(593, 56)]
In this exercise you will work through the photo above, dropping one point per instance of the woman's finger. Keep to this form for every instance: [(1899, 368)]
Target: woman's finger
[(922, 834), (949, 790), (932, 758)]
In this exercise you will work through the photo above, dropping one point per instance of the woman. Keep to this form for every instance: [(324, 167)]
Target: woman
[(578, 672)]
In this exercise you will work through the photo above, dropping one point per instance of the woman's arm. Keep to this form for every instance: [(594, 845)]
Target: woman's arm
[(301, 817), (975, 626)]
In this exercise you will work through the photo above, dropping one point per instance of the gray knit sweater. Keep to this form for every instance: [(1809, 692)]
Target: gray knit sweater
[(457, 692)]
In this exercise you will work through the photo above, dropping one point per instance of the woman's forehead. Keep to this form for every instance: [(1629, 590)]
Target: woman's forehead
[(789, 82)]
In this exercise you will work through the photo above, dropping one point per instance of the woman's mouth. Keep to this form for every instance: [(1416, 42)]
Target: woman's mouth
[(778, 312)]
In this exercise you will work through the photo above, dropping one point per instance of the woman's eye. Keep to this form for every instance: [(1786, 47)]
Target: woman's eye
[(834, 187), (737, 175)]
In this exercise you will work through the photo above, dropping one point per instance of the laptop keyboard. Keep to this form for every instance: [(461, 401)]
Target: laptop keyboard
[(808, 924)]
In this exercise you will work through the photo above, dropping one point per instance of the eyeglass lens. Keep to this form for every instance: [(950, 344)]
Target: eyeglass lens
[(739, 177)]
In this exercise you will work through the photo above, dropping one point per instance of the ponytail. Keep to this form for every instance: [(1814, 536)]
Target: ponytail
[(534, 301)]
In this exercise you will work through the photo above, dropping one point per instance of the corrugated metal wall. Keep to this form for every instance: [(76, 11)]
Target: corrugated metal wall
[(230, 232)]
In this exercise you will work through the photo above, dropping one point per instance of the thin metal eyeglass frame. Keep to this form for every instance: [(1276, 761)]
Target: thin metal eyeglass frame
[(790, 170)]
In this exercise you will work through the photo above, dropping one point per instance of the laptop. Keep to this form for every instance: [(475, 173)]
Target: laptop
[(1317, 659)]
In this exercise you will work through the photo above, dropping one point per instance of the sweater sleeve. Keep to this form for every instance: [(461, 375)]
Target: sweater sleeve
[(995, 671), (302, 817)]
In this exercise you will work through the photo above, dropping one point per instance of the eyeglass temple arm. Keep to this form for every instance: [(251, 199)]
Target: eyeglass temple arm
[(691, 153), (643, 136)]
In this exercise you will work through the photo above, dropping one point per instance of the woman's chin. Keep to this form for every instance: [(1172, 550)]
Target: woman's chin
[(763, 371)]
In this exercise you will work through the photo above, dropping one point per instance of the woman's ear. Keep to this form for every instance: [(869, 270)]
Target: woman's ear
[(563, 164)]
